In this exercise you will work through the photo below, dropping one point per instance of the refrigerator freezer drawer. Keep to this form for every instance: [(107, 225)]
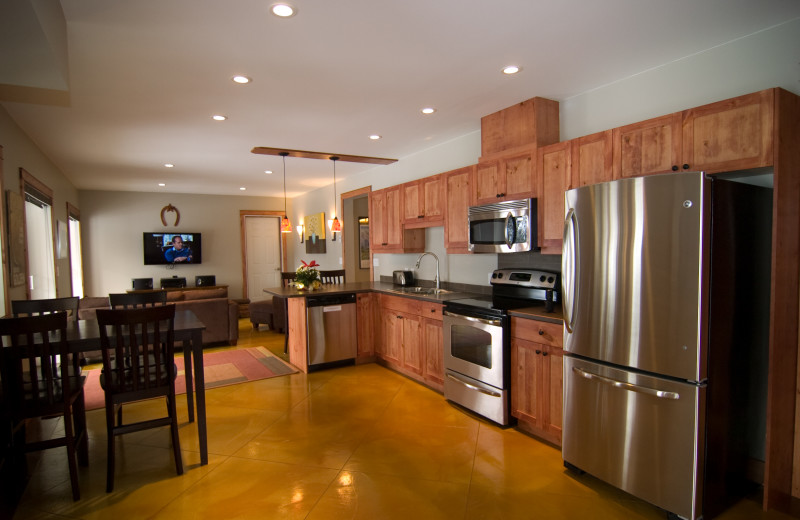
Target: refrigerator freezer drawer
[(636, 432)]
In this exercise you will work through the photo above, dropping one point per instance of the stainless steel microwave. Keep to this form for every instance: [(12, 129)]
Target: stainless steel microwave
[(503, 227)]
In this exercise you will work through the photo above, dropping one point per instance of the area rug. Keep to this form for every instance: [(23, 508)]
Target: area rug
[(223, 368)]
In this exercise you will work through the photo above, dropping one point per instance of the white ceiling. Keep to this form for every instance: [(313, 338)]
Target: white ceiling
[(145, 77)]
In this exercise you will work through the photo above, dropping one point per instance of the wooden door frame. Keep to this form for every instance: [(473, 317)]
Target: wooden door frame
[(243, 213), (351, 195)]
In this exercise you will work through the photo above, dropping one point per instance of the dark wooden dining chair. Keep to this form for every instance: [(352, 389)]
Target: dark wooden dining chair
[(133, 300), (138, 363), (334, 276), (46, 306), (287, 277), (41, 379)]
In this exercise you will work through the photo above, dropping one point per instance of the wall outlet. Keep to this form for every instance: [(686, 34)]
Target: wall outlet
[(375, 261), (340, 260)]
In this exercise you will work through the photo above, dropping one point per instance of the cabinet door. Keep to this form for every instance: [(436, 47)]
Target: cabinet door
[(432, 190), (648, 147), (519, 176), (413, 209), (413, 357), (526, 373), (553, 394), (365, 317), (391, 336), (730, 135), (553, 162), (458, 197), (591, 159), (489, 184), (394, 226), (377, 213), (432, 348)]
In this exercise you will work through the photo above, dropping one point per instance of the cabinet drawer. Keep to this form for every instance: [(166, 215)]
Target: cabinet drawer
[(431, 310), (400, 304), (538, 331)]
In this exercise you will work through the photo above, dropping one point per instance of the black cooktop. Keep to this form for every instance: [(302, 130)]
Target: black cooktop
[(490, 306)]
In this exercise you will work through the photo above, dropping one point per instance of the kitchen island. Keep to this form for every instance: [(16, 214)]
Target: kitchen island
[(297, 310)]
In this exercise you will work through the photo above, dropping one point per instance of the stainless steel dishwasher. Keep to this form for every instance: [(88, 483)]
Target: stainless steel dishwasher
[(331, 325)]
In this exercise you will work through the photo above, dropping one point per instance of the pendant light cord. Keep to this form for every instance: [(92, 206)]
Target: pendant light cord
[(334, 159), (284, 183)]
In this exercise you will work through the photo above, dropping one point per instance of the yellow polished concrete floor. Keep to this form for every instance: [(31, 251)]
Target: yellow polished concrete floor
[(356, 442)]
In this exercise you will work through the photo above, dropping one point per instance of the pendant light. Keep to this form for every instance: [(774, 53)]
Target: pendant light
[(336, 227), (286, 226)]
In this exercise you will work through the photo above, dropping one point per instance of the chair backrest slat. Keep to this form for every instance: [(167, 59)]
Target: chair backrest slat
[(34, 359), (134, 300), (142, 341), (46, 306), (332, 276)]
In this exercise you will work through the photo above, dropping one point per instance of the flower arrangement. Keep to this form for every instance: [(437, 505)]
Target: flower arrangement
[(307, 276)]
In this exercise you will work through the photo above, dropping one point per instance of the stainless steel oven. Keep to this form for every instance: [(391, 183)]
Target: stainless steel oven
[(477, 341)]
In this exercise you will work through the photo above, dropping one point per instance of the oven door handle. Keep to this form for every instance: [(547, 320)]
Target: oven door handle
[(473, 387), (496, 323)]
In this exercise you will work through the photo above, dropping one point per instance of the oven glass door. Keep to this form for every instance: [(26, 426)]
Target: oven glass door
[(474, 347)]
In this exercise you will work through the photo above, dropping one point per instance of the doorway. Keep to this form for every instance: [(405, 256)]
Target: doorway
[(263, 252), (357, 257)]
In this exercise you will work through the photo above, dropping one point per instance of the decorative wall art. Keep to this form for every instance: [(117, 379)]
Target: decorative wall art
[(315, 233), (16, 238), (363, 242)]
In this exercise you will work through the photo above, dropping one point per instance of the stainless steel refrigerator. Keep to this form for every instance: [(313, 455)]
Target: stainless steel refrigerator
[(666, 306)]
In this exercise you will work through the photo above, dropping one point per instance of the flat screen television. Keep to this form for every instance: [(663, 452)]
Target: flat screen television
[(172, 248)]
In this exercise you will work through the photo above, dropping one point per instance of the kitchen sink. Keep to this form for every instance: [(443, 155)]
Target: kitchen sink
[(422, 290)]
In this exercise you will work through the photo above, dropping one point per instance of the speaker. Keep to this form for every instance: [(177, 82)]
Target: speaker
[(205, 281), (141, 284), (173, 282)]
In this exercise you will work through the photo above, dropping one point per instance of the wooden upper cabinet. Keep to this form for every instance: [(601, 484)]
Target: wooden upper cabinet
[(730, 135), (387, 234), (591, 159), (648, 147), (489, 185), (458, 199), (424, 203), (506, 178), (533, 122), (554, 164)]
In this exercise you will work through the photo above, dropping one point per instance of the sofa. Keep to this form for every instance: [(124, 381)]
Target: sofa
[(212, 306)]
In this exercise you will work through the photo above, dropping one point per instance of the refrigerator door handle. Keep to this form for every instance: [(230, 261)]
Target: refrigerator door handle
[(627, 386), (570, 268)]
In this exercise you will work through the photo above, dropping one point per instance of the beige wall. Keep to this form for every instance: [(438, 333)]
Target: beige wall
[(20, 152), (113, 222)]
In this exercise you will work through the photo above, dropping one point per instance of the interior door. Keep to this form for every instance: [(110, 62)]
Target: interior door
[(263, 255)]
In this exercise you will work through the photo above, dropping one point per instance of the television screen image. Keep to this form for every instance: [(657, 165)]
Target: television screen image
[(172, 248)]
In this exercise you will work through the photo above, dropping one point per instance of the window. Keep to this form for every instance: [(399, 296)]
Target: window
[(39, 237)]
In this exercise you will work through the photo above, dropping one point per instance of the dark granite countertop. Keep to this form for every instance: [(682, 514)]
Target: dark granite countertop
[(534, 312)]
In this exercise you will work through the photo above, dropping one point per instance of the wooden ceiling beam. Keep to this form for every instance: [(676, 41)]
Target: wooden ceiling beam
[(264, 150)]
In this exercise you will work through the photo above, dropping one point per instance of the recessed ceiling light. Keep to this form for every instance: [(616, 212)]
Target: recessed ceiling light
[(268, 172), (511, 69), (219, 117), (169, 165), (374, 137), (242, 188), (241, 79), (161, 184), (428, 110), (283, 10)]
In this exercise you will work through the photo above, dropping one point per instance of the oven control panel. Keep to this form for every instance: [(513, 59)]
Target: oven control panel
[(531, 278)]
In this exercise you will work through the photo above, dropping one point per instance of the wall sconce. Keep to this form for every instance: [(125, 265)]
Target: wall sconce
[(301, 230)]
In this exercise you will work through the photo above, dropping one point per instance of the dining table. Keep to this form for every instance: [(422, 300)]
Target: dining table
[(84, 336)]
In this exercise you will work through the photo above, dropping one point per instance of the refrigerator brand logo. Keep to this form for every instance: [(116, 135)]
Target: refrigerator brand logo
[(687, 204)]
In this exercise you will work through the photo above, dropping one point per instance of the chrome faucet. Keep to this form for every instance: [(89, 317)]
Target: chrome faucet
[(437, 265)]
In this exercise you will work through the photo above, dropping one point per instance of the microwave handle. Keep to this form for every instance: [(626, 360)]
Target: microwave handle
[(510, 235)]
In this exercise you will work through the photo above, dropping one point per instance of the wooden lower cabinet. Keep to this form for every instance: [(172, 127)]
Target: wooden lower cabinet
[(536, 378), (411, 338), (366, 328)]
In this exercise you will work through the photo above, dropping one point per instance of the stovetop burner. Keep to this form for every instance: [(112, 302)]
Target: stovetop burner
[(511, 289)]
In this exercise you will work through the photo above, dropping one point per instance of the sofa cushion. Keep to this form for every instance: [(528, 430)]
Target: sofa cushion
[(175, 296), (205, 294)]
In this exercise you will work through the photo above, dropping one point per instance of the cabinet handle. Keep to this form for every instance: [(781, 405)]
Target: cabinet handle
[(498, 195), (544, 354), (538, 352), (384, 243), (399, 317), (675, 167), (685, 166), (541, 332)]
